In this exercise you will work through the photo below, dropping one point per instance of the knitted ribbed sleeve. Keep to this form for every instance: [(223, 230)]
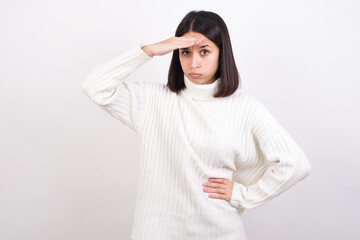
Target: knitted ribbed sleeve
[(125, 100), (278, 151)]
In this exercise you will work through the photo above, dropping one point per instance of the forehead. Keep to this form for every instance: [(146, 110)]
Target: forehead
[(196, 34)]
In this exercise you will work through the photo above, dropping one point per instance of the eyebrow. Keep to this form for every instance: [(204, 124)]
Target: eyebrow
[(203, 46)]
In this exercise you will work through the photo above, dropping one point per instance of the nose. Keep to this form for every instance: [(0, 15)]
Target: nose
[(195, 61)]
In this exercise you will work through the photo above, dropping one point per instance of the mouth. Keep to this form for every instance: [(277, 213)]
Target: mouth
[(195, 75)]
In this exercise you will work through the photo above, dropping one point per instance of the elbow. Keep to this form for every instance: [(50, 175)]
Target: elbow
[(89, 89), (85, 86), (300, 165), (307, 168), (86, 91), (303, 168), (297, 169), (89, 83)]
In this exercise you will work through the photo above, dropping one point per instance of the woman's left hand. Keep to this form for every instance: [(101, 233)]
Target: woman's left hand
[(222, 186)]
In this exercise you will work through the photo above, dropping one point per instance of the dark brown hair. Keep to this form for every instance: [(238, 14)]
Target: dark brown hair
[(214, 28)]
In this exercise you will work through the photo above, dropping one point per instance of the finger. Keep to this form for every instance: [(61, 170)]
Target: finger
[(217, 185), (190, 37), (218, 196), (190, 41), (218, 180), (198, 40), (185, 44), (215, 190), (187, 39)]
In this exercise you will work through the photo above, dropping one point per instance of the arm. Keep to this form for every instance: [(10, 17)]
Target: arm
[(127, 101), (106, 86), (277, 149)]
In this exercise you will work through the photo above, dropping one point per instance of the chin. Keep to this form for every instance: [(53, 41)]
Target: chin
[(198, 81)]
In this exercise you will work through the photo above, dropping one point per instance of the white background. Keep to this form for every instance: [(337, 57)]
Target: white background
[(68, 170)]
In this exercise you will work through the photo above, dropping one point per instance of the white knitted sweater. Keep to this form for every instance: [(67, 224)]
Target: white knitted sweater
[(189, 137)]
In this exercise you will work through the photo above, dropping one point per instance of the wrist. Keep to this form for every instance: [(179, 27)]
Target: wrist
[(147, 50)]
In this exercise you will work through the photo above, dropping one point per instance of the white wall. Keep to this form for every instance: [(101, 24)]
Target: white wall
[(68, 170)]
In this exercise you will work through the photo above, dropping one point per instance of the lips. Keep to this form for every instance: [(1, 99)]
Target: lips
[(195, 75)]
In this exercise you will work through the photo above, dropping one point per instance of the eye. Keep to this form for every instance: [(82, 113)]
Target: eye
[(185, 53), (204, 52)]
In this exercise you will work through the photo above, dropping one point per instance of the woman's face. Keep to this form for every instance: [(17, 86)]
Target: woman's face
[(200, 62)]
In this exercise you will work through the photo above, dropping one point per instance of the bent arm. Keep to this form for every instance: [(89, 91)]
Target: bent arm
[(106, 86), (281, 152)]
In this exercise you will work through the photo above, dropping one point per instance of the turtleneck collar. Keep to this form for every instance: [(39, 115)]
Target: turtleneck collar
[(203, 92)]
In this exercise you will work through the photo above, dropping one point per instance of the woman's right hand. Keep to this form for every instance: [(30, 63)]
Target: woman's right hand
[(168, 45)]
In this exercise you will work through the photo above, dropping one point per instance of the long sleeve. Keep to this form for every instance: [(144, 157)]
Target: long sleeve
[(276, 149), (125, 100)]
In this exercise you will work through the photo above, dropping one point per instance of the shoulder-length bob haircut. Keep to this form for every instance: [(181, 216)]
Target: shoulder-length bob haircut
[(214, 28)]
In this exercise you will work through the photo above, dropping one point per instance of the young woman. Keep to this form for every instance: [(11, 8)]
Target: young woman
[(206, 146)]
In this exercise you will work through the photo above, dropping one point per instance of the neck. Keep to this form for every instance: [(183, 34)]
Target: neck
[(202, 92)]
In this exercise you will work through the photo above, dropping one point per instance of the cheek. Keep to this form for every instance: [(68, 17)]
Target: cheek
[(181, 62), (214, 64)]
